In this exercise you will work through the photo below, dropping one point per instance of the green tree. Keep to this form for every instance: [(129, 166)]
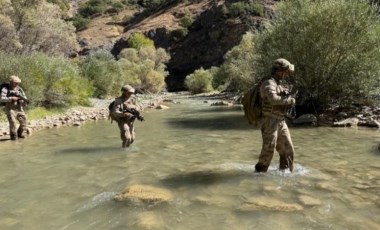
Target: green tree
[(35, 26), (144, 68), (334, 45), (104, 72), (199, 81), (237, 72)]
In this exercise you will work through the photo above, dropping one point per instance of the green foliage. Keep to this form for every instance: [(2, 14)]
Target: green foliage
[(186, 21), (47, 81), (63, 4), (144, 68), (80, 22), (237, 72), (239, 8), (34, 26), (199, 81), (139, 40), (333, 44), (104, 72), (88, 10)]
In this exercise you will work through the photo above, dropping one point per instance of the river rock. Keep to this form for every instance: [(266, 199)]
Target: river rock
[(269, 203), (305, 119), (309, 201), (162, 107), (144, 193), (150, 220), (349, 122)]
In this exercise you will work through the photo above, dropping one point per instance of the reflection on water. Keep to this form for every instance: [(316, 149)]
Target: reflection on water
[(66, 178)]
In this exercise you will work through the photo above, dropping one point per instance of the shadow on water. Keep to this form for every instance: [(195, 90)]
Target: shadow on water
[(214, 109), (203, 177), (224, 122), (87, 150)]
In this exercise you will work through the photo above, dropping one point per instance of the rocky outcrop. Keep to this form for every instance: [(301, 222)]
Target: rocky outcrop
[(207, 40)]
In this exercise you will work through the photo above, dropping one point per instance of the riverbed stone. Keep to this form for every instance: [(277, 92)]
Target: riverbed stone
[(144, 193), (269, 203), (349, 122), (162, 107), (309, 201), (150, 220)]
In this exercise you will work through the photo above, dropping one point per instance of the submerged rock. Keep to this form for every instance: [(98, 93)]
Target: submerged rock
[(309, 201), (265, 203), (150, 220), (144, 193)]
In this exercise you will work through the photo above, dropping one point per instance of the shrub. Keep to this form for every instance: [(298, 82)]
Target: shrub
[(199, 81), (237, 72), (104, 72), (80, 22), (186, 21), (139, 40), (336, 57), (237, 8), (47, 81), (144, 68)]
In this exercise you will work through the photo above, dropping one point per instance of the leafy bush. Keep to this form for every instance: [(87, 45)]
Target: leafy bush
[(237, 72), (336, 56), (27, 27), (186, 21), (237, 8), (47, 81), (139, 40), (144, 68), (199, 81), (255, 8), (103, 71), (80, 22)]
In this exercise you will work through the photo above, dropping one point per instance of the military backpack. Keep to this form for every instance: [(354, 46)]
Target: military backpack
[(251, 102), (4, 85)]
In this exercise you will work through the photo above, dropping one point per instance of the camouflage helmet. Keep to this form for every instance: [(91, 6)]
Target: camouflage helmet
[(282, 64), (15, 79), (128, 88)]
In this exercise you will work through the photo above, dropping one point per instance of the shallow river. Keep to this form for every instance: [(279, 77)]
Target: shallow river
[(66, 178)]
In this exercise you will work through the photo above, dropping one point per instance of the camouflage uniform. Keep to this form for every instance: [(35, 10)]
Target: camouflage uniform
[(125, 120), (275, 132), (14, 111)]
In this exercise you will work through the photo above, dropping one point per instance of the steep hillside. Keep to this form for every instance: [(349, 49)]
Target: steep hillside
[(203, 44)]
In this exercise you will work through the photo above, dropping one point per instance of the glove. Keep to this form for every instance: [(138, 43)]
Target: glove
[(291, 101)]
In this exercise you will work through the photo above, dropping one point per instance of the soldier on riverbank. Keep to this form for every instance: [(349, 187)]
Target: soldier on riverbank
[(275, 103), (14, 98), (125, 111)]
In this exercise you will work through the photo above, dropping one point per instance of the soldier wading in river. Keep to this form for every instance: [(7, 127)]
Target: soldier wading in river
[(14, 99), (275, 103), (125, 112)]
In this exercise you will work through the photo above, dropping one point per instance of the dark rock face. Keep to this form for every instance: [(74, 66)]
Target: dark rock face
[(208, 39)]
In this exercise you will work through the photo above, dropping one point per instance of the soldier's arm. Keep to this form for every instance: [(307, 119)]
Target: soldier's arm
[(117, 110), (270, 90)]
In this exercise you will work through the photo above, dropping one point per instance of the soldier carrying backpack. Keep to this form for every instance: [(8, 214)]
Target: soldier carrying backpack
[(14, 99), (269, 103)]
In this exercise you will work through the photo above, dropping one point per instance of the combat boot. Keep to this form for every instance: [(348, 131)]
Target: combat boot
[(259, 167), (20, 133), (13, 137)]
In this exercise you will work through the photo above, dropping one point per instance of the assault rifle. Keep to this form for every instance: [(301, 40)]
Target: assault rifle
[(20, 97), (135, 113), (291, 112)]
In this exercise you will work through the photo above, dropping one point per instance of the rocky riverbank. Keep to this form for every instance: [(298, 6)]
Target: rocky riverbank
[(76, 116), (368, 116)]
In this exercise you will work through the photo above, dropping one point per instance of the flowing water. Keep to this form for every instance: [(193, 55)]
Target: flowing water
[(66, 178)]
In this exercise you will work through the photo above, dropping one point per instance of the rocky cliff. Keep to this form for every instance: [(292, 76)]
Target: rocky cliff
[(203, 44)]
